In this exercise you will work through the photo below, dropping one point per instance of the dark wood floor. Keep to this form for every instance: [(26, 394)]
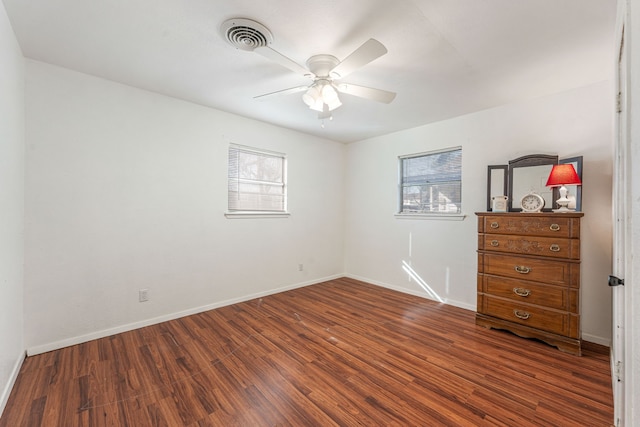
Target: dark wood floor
[(340, 353)]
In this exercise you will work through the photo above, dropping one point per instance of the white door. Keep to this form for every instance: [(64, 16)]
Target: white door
[(621, 178)]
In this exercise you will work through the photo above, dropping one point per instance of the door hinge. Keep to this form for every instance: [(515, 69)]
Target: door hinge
[(618, 371), (619, 102), (615, 281)]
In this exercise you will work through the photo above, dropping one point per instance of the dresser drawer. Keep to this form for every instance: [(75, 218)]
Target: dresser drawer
[(551, 271), (556, 247), (556, 297), (533, 225), (554, 321)]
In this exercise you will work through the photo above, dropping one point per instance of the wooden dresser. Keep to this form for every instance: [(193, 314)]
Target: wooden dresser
[(529, 275)]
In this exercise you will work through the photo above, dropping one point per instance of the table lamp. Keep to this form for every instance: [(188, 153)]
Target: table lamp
[(560, 176)]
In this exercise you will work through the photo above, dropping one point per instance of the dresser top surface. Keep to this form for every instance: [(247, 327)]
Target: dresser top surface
[(534, 214)]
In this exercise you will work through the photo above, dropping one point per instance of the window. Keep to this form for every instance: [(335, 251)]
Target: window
[(257, 181), (431, 182)]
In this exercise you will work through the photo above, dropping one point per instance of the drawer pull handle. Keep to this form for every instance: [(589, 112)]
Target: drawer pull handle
[(494, 225), (521, 292), (522, 269), (554, 227), (554, 248), (521, 314), (495, 243)]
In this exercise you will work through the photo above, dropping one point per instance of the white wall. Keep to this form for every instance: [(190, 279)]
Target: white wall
[(11, 206), (127, 190), (443, 253)]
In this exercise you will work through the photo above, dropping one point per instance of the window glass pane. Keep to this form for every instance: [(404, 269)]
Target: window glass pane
[(256, 181), (259, 167), (431, 183)]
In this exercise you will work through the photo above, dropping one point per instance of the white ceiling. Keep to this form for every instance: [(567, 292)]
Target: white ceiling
[(445, 57)]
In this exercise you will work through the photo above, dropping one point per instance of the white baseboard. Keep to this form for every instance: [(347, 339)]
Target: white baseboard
[(12, 380), (417, 293), (38, 349), (597, 340), (171, 316)]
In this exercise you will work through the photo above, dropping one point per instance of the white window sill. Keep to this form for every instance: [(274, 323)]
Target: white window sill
[(431, 216), (237, 215)]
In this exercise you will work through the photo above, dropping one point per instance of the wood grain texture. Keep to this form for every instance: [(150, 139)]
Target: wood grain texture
[(537, 257), (339, 353)]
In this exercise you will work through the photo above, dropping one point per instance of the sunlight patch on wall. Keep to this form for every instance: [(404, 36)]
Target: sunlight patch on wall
[(415, 276)]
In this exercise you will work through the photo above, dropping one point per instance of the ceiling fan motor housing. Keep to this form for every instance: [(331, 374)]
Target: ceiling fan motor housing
[(321, 65)]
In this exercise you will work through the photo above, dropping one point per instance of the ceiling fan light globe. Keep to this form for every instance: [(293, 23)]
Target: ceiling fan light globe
[(329, 93), (307, 99), (312, 96), (334, 104), (317, 106)]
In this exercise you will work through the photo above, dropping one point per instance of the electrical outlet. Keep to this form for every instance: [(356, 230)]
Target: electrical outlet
[(300, 267), (143, 295)]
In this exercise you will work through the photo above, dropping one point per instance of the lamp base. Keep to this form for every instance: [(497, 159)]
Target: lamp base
[(564, 209), (563, 201)]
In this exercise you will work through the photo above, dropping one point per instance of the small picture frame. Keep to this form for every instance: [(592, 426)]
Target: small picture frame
[(496, 183)]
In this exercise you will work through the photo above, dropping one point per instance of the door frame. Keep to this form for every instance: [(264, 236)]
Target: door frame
[(622, 309)]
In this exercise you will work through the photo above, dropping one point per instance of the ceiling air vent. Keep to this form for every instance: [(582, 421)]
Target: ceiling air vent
[(245, 34)]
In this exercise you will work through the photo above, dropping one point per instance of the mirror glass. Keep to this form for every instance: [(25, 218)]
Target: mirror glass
[(529, 174), (496, 183), (574, 193), (532, 178)]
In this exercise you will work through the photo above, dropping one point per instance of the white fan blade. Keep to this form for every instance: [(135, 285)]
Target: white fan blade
[(367, 92), (370, 50), (279, 58), (281, 92)]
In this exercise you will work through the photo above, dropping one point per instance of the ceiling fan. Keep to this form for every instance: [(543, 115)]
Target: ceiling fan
[(325, 71)]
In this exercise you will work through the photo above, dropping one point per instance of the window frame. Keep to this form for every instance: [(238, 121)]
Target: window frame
[(401, 184), (249, 213)]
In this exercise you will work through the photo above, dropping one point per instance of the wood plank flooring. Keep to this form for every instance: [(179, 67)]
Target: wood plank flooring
[(339, 353)]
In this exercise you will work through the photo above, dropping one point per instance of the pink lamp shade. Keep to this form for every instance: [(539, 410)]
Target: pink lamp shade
[(563, 175), (560, 176)]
